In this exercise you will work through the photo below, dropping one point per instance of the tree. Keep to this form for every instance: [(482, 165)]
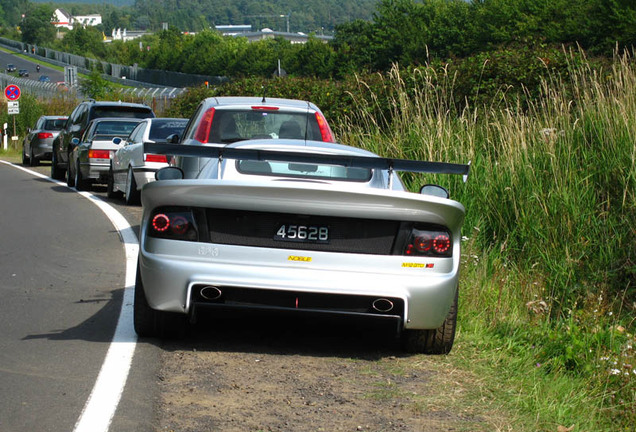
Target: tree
[(86, 41), (37, 27), (95, 86), (352, 44), (315, 59), (9, 13)]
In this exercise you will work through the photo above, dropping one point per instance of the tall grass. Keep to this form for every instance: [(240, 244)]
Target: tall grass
[(549, 266)]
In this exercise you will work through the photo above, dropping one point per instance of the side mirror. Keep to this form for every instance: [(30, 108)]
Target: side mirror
[(172, 139), (169, 173), (434, 190)]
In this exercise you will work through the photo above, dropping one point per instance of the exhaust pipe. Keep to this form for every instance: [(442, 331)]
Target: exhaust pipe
[(210, 292), (382, 305)]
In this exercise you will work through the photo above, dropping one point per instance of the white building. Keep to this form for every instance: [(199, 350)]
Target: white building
[(61, 18), (88, 20), (125, 35)]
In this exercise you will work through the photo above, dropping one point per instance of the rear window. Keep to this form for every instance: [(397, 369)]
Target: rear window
[(304, 170), (161, 129), (114, 128), (54, 124), (229, 126), (123, 111)]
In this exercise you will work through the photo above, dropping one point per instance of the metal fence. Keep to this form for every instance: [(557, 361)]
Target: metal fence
[(127, 75), (39, 89)]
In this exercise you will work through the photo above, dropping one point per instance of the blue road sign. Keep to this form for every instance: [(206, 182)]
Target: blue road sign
[(12, 92)]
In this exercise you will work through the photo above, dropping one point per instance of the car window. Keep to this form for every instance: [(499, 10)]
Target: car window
[(122, 111), (54, 124), (236, 125), (161, 129), (192, 126), (114, 128), (75, 114), (137, 134), (81, 116), (304, 170)]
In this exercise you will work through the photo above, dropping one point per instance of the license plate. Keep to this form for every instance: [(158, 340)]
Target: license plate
[(302, 233)]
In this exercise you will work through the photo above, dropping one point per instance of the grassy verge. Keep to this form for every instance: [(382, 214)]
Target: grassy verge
[(10, 155), (548, 292)]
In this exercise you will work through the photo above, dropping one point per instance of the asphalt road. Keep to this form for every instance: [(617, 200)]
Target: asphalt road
[(20, 63), (62, 276)]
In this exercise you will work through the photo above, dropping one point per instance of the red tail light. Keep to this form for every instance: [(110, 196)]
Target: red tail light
[(161, 223), (45, 135), (265, 108), (155, 158), (429, 243), (203, 130), (99, 154), (325, 130), (174, 224)]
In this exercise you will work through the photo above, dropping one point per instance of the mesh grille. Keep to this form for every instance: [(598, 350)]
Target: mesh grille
[(258, 229)]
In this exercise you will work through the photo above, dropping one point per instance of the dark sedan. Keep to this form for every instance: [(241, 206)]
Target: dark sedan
[(38, 143)]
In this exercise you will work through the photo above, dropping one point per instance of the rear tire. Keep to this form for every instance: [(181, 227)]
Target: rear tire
[(435, 341), (149, 322), (33, 161), (70, 175), (133, 197), (57, 173), (25, 159), (110, 186), (80, 183)]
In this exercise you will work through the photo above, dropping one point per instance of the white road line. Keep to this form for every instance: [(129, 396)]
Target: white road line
[(100, 407)]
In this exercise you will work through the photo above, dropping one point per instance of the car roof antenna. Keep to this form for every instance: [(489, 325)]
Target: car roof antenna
[(263, 101)]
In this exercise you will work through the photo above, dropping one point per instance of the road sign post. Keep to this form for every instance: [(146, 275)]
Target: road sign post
[(70, 76), (14, 107), (12, 92)]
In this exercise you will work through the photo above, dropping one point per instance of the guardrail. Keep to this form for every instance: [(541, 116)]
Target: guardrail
[(158, 98), (39, 89)]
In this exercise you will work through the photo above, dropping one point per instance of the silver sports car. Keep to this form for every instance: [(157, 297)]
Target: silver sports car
[(305, 227)]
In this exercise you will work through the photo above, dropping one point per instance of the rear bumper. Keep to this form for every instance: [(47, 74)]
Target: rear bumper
[(42, 154), (96, 172), (146, 174), (42, 150), (335, 284)]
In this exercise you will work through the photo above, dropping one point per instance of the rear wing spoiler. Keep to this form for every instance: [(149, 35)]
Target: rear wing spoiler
[(350, 161)]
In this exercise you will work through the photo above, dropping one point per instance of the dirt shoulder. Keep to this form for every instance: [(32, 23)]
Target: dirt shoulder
[(254, 376)]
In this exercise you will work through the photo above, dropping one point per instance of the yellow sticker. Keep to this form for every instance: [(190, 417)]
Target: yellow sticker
[(413, 265), (298, 258)]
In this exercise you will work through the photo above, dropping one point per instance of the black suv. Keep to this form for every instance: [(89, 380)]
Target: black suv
[(79, 119)]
